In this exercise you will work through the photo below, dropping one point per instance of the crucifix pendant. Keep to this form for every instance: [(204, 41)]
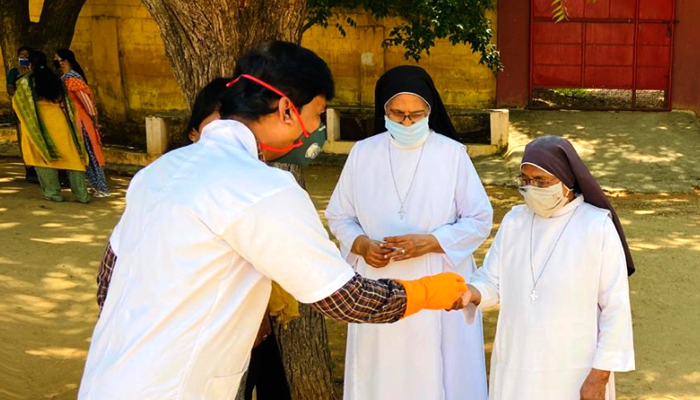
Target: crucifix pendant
[(533, 296), (402, 213)]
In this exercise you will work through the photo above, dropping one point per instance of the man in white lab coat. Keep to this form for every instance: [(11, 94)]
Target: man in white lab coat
[(207, 227)]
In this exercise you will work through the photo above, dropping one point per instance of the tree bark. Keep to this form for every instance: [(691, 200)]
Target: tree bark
[(54, 30), (14, 21), (204, 38), (202, 41), (306, 356), (304, 343)]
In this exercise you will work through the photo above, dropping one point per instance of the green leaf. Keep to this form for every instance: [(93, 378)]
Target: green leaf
[(422, 23), (559, 12)]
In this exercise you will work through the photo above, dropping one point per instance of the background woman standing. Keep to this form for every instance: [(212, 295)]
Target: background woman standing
[(21, 70), (50, 140), (75, 82), (13, 76)]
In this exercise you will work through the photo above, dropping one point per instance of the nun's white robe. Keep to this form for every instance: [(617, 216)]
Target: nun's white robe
[(433, 355), (581, 317)]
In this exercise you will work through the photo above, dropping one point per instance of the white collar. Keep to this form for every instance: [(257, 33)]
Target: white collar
[(230, 131), (570, 207)]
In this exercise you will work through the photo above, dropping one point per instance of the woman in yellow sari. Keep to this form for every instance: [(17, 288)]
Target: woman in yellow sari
[(50, 139)]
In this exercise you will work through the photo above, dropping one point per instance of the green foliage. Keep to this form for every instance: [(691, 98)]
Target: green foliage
[(573, 93), (559, 11), (423, 22)]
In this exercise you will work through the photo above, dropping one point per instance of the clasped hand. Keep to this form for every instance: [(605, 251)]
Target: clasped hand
[(378, 253)]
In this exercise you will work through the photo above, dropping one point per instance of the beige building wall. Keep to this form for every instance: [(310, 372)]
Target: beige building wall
[(119, 45)]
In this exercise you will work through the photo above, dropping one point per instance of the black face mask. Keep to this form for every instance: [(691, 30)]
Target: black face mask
[(57, 64)]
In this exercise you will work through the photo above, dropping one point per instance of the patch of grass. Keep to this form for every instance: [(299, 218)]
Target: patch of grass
[(576, 93)]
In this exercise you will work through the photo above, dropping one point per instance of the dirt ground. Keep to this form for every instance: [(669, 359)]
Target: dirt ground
[(641, 152), (50, 253)]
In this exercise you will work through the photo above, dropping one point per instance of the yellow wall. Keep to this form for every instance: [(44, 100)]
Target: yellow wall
[(119, 46), (358, 60)]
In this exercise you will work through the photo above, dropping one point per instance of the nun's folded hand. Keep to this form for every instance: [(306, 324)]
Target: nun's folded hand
[(412, 246), (374, 252)]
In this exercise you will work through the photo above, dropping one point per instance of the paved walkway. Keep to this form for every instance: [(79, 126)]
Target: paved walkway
[(633, 151), (646, 152)]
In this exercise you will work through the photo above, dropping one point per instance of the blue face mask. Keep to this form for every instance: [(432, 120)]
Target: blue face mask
[(407, 135), (24, 62)]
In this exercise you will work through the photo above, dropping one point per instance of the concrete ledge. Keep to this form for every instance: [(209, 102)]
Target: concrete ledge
[(8, 134), (120, 156), (113, 155), (343, 147), (499, 121), (338, 147), (482, 150)]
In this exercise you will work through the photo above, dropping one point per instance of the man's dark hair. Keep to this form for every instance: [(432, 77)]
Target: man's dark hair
[(207, 101), (46, 85), (297, 72), (24, 48)]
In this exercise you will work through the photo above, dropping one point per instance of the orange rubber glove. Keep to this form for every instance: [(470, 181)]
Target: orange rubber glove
[(434, 292)]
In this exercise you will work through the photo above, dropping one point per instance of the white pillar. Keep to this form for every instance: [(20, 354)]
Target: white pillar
[(156, 135), (500, 121), (333, 124)]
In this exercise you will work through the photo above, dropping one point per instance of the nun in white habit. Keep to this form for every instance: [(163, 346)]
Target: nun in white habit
[(558, 267), (409, 203)]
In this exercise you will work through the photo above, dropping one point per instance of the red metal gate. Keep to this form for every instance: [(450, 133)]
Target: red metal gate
[(607, 44)]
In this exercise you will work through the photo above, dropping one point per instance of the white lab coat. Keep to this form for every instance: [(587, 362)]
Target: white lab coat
[(205, 230)]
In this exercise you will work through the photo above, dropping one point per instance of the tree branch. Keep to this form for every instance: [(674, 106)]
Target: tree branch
[(56, 25), (14, 25)]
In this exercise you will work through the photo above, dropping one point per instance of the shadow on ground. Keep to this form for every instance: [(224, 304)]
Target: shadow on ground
[(51, 252), (630, 151), (664, 235)]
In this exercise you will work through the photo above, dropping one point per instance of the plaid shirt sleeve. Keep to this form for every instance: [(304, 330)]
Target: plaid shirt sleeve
[(104, 275), (359, 300), (365, 300)]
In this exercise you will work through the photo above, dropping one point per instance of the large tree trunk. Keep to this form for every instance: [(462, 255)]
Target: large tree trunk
[(54, 30), (14, 23), (203, 38), (202, 41), (306, 357), (304, 343)]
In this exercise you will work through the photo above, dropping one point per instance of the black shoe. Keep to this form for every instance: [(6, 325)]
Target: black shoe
[(30, 175), (63, 178)]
